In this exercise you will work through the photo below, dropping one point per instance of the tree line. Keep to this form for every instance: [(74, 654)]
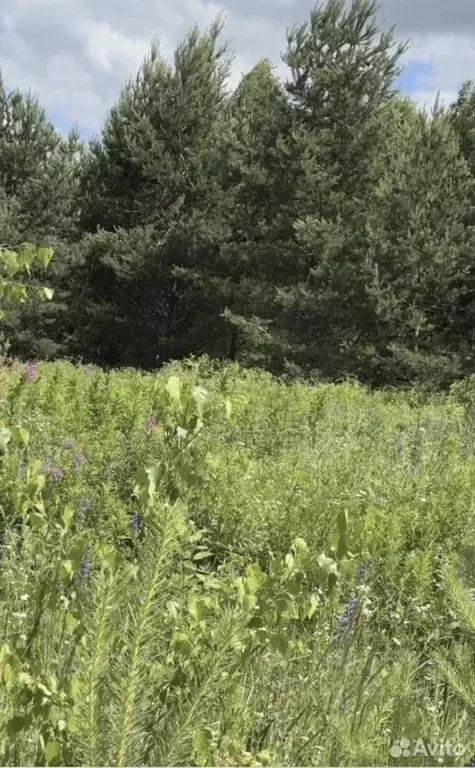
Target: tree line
[(321, 227)]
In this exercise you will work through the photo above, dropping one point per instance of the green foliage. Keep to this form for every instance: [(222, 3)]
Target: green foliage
[(38, 172), (204, 566), (318, 228), (16, 262)]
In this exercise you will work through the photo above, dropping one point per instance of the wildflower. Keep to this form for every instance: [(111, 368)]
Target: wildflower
[(31, 370), (21, 470), (108, 468), (351, 609), (68, 445), (57, 473), (84, 506), (363, 571), (78, 460), (151, 423), (136, 523), (86, 563), (46, 468)]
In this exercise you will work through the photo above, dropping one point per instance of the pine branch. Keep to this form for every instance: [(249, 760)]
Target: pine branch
[(131, 675), (93, 668)]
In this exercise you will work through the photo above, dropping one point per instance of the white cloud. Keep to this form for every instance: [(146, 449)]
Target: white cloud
[(452, 59), (106, 48), (76, 55)]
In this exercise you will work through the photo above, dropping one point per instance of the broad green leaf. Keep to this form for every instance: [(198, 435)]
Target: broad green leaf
[(72, 724), (52, 751), (28, 254), (311, 606), (44, 256), (71, 622), (37, 520), (20, 436), (174, 389), (67, 568), (5, 437), (254, 578), (11, 261), (202, 555), (148, 478), (327, 564), (172, 608), (181, 643), (264, 757), (67, 516), (196, 607), (342, 548), (342, 521), (300, 546)]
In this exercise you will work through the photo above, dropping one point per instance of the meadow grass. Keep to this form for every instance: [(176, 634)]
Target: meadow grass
[(206, 566)]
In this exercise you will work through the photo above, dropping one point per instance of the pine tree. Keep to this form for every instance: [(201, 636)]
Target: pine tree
[(343, 70), (146, 177), (419, 248), (247, 222), (462, 114), (38, 170), (152, 145)]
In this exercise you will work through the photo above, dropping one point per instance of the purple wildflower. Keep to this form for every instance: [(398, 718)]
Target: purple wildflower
[(86, 563), (68, 445), (31, 370), (78, 460), (46, 468), (351, 609), (136, 523), (84, 506), (151, 423), (21, 470), (57, 473), (363, 571)]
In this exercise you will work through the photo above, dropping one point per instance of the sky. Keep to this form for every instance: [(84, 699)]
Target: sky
[(76, 54)]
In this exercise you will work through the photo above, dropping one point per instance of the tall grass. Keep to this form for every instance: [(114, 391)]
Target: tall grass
[(208, 567)]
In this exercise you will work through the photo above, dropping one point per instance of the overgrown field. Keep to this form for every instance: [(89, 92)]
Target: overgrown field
[(208, 567)]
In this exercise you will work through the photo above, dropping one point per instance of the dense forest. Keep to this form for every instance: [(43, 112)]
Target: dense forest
[(321, 228)]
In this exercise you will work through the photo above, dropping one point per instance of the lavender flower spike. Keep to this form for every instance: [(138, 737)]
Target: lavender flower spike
[(86, 564), (351, 609), (136, 523), (79, 460), (57, 473)]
